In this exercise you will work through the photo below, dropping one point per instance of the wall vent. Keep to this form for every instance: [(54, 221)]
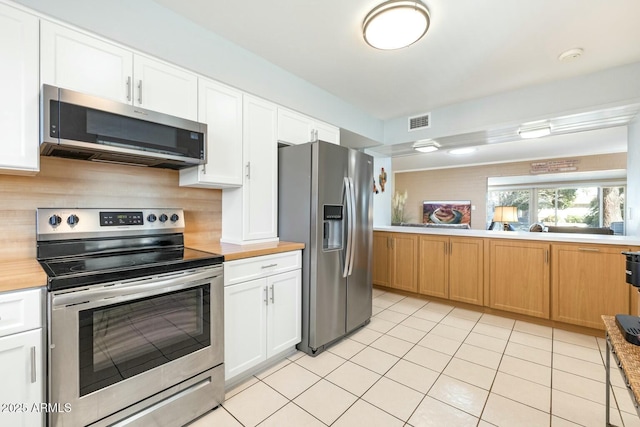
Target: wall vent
[(422, 121)]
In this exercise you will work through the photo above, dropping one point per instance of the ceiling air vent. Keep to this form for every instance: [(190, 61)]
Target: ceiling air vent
[(420, 122)]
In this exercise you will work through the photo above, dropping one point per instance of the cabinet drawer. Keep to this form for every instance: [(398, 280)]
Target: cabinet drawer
[(20, 311), (262, 266)]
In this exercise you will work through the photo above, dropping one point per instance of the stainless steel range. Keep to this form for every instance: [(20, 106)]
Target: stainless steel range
[(135, 318)]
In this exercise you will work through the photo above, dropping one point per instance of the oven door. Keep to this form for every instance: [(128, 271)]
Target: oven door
[(116, 344)]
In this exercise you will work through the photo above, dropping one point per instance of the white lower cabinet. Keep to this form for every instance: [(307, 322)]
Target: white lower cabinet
[(262, 316), (21, 360)]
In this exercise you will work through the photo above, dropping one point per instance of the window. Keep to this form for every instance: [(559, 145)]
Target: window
[(581, 205)]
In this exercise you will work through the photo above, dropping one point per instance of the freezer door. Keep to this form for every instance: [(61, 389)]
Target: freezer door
[(328, 290), (359, 282)]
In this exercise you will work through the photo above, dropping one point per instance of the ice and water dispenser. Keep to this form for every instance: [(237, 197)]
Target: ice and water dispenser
[(332, 227)]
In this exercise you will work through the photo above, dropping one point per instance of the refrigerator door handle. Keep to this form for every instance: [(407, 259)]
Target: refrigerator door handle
[(352, 231), (347, 253)]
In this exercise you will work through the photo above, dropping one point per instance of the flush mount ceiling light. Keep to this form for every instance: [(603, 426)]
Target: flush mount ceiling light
[(395, 24), (426, 146), (464, 150), (537, 130)]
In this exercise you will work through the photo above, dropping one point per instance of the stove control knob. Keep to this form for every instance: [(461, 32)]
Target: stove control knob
[(73, 220), (55, 220), (152, 218), (174, 217), (163, 218)]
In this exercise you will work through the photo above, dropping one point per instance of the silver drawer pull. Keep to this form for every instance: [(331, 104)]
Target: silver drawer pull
[(589, 249), (33, 364), (269, 266)]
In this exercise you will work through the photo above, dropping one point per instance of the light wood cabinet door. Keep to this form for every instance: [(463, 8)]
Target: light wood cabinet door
[(466, 267), (587, 282), (433, 266), (404, 256), (519, 277), (381, 258)]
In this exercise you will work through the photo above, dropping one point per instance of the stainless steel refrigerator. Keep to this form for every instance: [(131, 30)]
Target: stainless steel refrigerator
[(325, 200)]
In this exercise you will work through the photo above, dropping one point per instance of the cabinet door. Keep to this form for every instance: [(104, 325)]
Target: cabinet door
[(245, 340), (328, 133), (165, 88), (466, 270), (220, 107), (19, 85), (75, 61), (519, 277), (294, 128), (433, 266), (588, 281), (381, 258), (404, 256), (22, 381), (284, 320), (260, 190)]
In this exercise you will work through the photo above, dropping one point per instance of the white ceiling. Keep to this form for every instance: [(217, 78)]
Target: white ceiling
[(472, 49)]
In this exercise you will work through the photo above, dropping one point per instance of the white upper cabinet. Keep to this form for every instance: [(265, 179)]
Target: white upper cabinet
[(295, 128), (250, 213), (163, 87), (19, 150), (77, 61), (220, 107)]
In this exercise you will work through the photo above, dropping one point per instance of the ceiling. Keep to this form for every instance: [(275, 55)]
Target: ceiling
[(473, 48)]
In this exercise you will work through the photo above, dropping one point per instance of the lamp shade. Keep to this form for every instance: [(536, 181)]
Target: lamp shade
[(505, 214)]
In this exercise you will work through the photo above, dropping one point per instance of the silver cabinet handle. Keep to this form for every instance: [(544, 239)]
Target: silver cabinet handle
[(129, 88), (273, 295), (33, 364), (266, 295), (269, 266), (546, 256), (140, 92), (589, 249), (248, 170)]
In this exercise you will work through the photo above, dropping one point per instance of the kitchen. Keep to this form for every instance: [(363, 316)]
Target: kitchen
[(73, 183)]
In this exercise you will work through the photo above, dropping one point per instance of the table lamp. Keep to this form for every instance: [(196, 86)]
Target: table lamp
[(505, 215)]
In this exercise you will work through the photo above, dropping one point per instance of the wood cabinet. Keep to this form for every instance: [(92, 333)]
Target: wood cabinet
[(19, 49), (587, 282), (395, 257), (220, 107), (250, 213), (295, 128), (452, 268), (21, 358), (262, 315), (81, 62), (519, 277)]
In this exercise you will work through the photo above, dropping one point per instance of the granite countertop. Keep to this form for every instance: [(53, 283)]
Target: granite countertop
[(518, 235), (27, 273)]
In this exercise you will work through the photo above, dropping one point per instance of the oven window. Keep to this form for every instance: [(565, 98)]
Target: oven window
[(122, 340)]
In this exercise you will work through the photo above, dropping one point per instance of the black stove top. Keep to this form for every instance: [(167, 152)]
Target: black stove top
[(72, 272), (81, 247)]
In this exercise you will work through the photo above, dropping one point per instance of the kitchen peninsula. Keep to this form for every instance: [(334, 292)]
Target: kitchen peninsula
[(564, 280)]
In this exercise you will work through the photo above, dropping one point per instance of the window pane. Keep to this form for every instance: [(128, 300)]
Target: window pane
[(518, 198)]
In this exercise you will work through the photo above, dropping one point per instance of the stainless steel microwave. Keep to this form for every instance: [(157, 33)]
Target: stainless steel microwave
[(81, 126)]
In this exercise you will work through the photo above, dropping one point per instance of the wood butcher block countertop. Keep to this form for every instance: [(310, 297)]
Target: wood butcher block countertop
[(27, 273), (233, 252), (21, 274)]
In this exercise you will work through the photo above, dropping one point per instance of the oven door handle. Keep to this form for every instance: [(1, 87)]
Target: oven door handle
[(135, 289)]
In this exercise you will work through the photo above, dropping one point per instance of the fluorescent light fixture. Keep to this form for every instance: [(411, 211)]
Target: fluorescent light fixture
[(534, 131), (464, 150), (395, 24), (426, 146)]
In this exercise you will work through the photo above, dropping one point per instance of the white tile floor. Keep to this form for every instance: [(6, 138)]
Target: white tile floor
[(421, 363)]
